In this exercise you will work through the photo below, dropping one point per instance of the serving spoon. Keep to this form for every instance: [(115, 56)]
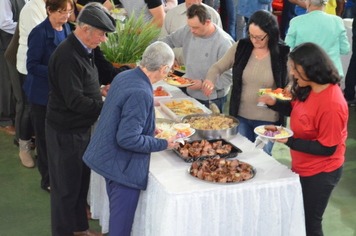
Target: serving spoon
[(214, 108)]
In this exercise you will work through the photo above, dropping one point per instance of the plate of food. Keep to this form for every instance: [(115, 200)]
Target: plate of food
[(220, 170), (273, 132), (180, 69), (206, 149), (160, 93), (180, 130), (279, 93), (178, 81)]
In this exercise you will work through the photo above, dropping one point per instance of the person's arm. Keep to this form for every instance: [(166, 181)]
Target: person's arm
[(291, 35), (302, 4), (107, 71), (156, 9), (6, 22), (176, 39), (343, 41), (36, 51), (170, 4), (284, 107), (216, 70), (313, 147), (129, 136)]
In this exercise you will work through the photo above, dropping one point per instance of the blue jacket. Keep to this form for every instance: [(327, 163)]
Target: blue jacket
[(42, 41), (122, 143)]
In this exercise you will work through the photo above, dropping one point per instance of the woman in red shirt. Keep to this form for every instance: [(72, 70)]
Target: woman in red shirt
[(318, 117)]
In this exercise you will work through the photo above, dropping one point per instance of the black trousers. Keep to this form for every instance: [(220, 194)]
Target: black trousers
[(38, 115), (350, 79), (316, 193), (69, 179)]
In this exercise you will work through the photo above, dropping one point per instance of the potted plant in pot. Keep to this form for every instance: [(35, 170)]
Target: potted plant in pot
[(127, 44)]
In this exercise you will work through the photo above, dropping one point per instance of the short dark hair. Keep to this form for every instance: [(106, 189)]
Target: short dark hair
[(267, 22), (317, 65), (54, 5), (200, 11)]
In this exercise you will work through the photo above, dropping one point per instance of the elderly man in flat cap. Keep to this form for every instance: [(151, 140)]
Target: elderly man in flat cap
[(75, 102)]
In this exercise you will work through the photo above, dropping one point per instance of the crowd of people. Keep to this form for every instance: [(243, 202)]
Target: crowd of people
[(53, 76)]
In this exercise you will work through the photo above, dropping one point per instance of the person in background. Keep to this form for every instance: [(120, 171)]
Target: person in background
[(42, 41), (154, 9), (9, 16), (74, 104), (349, 9), (240, 25), (248, 7), (130, 139), (258, 61), (328, 32), (169, 4), (288, 13), (228, 17), (203, 43), (32, 14), (350, 79), (318, 117), (177, 18)]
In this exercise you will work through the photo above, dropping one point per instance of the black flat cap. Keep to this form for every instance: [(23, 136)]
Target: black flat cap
[(98, 18)]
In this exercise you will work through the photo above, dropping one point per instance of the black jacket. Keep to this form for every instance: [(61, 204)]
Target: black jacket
[(242, 55)]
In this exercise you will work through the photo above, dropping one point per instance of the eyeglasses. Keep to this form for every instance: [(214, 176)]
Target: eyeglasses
[(65, 12), (259, 38)]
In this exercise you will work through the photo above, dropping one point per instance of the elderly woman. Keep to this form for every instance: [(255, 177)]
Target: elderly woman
[(328, 31), (258, 61), (124, 138), (318, 117), (42, 41)]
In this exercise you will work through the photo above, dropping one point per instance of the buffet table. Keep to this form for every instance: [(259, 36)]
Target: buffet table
[(175, 203)]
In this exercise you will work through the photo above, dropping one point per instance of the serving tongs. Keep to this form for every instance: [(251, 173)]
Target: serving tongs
[(214, 108), (181, 140)]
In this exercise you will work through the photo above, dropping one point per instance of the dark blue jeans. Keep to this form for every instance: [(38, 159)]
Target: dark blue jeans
[(316, 193), (219, 102)]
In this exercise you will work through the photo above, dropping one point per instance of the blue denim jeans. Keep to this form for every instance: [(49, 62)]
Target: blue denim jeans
[(219, 102), (246, 127)]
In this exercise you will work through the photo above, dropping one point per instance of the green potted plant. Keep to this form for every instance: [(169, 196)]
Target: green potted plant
[(127, 44)]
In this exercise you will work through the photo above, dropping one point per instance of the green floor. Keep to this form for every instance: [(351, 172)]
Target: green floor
[(24, 206)]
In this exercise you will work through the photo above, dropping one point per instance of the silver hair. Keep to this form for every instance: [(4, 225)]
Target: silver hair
[(95, 4), (156, 55), (318, 3)]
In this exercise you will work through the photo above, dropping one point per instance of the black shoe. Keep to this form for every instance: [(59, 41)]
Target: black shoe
[(351, 103)]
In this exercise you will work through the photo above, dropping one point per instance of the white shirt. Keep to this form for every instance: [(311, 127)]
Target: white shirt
[(6, 22), (177, 18), (32, 14)]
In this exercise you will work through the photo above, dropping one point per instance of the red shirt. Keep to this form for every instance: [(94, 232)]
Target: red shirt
[(322, 116)]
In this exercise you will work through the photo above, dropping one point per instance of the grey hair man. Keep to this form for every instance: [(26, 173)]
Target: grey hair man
[(75, 102), (129, 112)]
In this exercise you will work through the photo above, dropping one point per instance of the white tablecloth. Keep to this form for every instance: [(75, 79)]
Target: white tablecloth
[(176, 203)]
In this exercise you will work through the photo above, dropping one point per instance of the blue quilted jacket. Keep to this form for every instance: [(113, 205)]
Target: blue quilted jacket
[(122, 143)]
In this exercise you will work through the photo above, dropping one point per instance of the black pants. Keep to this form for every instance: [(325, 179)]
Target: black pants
[(38, 115), (26, 128), (69, 178), (316, 193), (350, 79)]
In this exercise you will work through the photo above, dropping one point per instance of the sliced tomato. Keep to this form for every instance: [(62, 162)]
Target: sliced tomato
[(181, 80), (278, 90)]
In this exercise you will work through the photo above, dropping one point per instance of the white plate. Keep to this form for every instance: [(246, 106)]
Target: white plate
[(273, 138), (178, 85)]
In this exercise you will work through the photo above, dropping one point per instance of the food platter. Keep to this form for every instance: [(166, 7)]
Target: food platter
[(166, 104), (158, 98), (261, 127), (234, 151), (173, 80), (283, 94), (245, 173)]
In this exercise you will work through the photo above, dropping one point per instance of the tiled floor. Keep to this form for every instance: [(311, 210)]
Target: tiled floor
[(24, 206)]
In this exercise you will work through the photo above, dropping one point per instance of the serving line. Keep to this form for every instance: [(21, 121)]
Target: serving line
[(175, 203)]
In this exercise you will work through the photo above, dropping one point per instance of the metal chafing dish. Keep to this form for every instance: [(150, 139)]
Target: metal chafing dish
[(213, 134)]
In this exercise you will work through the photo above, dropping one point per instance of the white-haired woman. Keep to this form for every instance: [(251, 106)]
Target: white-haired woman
[(121, 146)]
